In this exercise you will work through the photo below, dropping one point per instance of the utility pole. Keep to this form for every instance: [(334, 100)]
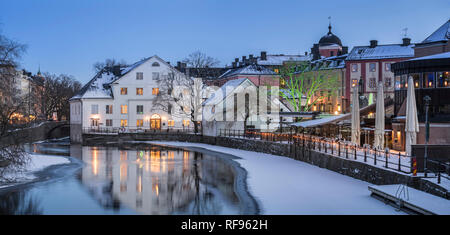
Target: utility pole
[(427, 100)]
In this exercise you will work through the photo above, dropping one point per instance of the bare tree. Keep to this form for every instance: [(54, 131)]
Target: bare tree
[(108, 63), (301, 81), (12, 155), (180, 96), (198, 64), (56, 94)]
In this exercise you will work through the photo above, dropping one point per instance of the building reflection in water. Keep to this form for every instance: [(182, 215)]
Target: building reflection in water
[(158, 180)]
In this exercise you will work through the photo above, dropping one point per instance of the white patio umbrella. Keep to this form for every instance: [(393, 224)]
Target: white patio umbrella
[(379, 119), (412, 123), (356, 129)]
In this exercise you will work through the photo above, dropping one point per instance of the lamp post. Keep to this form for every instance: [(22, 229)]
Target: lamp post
[(427, 100)]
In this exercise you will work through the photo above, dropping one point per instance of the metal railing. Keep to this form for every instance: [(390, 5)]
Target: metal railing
[(389, 159), (117, 130)]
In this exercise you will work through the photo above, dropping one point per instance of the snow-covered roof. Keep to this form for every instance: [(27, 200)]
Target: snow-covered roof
[(441, 34), (280, 59), (99, 86), (444, 55), (224, 91), (322, 121), (381, 52), (248, 70)]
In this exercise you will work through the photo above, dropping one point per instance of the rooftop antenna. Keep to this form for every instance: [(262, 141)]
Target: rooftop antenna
[(406, 32)]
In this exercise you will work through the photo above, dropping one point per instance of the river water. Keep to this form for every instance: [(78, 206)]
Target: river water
[(143, 179)]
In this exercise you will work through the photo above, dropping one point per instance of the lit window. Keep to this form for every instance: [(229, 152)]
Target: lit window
[(139, 91), (123, 109), (139, 123), (276, 70), (140, 109), (123, 91), (123, 122), (139, 76), (170, 123), (354, 82), (185, 122), (155, 91), (372, 83)]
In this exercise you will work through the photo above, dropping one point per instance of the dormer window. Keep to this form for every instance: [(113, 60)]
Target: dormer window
[(155, 64)]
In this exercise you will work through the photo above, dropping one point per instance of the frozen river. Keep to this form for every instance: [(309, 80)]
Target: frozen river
[(185, 178)]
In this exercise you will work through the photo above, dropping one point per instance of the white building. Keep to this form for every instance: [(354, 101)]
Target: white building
[(236, 104), (121, 99)]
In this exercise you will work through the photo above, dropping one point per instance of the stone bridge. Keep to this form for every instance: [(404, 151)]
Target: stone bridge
[(41, 131)]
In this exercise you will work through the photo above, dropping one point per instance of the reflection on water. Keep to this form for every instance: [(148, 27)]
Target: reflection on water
[(144, 180), (156, 180)]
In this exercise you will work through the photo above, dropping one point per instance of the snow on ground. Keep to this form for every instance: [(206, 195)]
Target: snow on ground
[(37, 162), (286, 186)]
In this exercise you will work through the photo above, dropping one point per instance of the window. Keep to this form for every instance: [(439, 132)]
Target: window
[(139, 76), (109, 109), (372, 83), (94, 109), (372, 67), (169, 108), (139, 91), (185, 122), (331, 53), (388, 67), (155, 91), (354, 82), (155, 64), (276, 70), (109, 122), (354, 67), (428, 80), (140, 109), (94, 122), (170, 123), (387, 82), (123, 122), (443, 79), (139, 123), (123, 91), (155, 76), (123, 109)]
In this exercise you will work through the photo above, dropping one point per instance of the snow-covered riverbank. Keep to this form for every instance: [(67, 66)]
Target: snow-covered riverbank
[(37, 163), (286, 186)]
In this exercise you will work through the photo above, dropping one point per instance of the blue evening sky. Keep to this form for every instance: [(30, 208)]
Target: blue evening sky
[(68, 36)]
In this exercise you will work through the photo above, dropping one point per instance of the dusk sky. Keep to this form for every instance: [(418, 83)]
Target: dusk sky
[(69, 36)]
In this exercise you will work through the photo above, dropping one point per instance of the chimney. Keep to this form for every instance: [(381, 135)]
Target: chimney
[(244, 60), (306, 53), (263, 55), (236, 60), (344, 50), (406, 41), (233, 64), (373, 43), (178, 65)]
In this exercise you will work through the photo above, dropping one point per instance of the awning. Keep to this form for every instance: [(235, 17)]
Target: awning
[(322, 121)]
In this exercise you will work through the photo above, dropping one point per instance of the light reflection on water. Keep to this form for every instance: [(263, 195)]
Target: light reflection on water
[(146, 180)]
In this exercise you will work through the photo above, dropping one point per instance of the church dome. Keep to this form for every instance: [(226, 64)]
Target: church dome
[(330, 39)]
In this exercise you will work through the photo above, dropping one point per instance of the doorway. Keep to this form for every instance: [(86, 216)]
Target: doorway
[(155, 122)]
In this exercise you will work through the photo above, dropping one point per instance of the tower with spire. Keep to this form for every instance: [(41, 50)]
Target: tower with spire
[(328, 46)]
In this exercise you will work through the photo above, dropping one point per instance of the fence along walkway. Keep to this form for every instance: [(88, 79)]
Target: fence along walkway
[(340, 148)]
